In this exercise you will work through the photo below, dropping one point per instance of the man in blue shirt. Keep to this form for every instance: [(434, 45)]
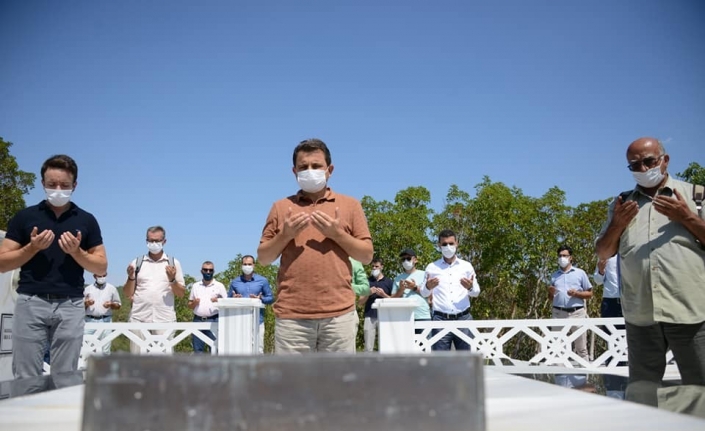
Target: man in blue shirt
[(251, 285), (569, 289)]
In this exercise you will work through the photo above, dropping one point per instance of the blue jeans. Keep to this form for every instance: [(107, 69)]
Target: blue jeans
[(450, 338), (199, 346)]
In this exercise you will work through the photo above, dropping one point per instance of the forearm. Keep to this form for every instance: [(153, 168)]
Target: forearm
[(696, 226), (96, 263), (129, 287), (177, 288), (358, 249), (14, 259), (399, 293), (608, 244), (191, 304), (270, 250)]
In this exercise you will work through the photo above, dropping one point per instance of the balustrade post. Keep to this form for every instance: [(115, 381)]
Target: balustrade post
[(238, 326), (396, 324)]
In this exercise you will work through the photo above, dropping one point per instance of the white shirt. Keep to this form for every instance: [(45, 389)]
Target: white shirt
[(153, 300), (206, 292), (450, 296), (610, 278), (100, 295)]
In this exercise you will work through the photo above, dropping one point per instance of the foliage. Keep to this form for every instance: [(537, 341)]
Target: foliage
[(694, 174), (14, 184)]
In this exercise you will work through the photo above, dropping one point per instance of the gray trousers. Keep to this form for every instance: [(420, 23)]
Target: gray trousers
[(36, 321), (647, 347)]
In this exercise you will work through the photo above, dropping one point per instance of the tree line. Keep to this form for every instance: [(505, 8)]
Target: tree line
[(510, 238)]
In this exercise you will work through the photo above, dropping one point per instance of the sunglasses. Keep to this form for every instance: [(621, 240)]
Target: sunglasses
[(406, 259), (443, 244), (206, 269), (649, 162)]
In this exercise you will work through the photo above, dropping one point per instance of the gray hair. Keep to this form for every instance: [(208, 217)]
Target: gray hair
[(155, 229)]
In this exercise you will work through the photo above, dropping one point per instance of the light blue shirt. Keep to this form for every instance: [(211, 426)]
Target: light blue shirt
[(574, 278), (254, 286), (610, 278), (422, 310)]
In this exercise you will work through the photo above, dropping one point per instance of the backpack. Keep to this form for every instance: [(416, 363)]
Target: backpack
[(698, 192), (140, 259)]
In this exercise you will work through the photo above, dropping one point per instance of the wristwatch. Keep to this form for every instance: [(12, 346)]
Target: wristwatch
[(172, 281)]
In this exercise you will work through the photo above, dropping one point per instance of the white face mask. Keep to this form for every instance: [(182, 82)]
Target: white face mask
[(100, 280), (407, 264), (650, 178), (448, 251), (248, 269), (311, 180), (376, 272), (58, 197), (563, 261), (155, 247)]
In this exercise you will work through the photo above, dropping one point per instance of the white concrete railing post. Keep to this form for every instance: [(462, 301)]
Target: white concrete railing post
[(396, 325), (238, 326)]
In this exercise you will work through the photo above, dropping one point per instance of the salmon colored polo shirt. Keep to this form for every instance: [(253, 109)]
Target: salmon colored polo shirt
[(315, 274)]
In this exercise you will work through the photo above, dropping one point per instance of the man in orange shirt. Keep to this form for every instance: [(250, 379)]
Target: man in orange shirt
[(315, 232)]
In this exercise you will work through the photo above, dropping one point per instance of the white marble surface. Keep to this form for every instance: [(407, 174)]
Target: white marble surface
[(512, 403)]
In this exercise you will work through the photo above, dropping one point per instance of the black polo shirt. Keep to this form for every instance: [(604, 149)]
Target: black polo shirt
[(385, 284), (51, 270)]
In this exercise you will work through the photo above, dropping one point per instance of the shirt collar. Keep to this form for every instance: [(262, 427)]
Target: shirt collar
[(328, 196), (669, 185), (161, 259), (44, 206)]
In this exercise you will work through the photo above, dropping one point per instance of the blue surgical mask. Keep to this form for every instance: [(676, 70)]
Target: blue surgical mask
[(207, 276)]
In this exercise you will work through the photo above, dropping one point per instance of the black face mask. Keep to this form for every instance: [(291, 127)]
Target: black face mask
[(208, 276)]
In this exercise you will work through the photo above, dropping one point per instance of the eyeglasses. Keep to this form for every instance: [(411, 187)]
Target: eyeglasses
[(206, 269), (649, 162), (444, 244)]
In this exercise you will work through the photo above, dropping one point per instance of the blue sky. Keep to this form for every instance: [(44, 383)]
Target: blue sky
[(185, 113)]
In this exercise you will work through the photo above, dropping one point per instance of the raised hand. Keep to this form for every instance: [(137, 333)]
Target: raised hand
[(170, 272), (69, 243), (675, 208), (294, 223), (41, 241), (107, 304), (130, 271), (624, 212), (327, 225), (431, 282), (467, 282)]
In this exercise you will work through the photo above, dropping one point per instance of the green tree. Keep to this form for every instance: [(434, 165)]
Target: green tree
[(694, 174), (14, 184)]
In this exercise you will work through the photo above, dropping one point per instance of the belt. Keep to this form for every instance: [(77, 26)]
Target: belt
[(203, 319), (452, 316), (569, 309), (53, 297)]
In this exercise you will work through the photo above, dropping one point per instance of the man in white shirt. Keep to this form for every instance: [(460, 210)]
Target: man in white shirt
[(152, 286), (100, 299), (607, 273), (452, 281), (202, 300)]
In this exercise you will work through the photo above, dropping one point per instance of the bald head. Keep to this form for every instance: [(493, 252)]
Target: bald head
[(651, 145)]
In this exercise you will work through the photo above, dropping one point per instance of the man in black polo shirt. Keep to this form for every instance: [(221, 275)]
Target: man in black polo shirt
[(53, 242)]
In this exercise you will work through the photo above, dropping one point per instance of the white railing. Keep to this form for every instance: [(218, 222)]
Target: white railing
[(548, 340), (237, 333), (545, 344)]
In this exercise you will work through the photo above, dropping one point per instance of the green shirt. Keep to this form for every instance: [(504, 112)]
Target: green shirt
[(360, 283), (662, 266)]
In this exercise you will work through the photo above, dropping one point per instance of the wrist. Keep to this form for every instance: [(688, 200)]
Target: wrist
[(132, 278), (172, 281)]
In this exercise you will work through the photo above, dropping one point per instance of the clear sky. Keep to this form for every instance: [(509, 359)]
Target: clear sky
[(186, 113)]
